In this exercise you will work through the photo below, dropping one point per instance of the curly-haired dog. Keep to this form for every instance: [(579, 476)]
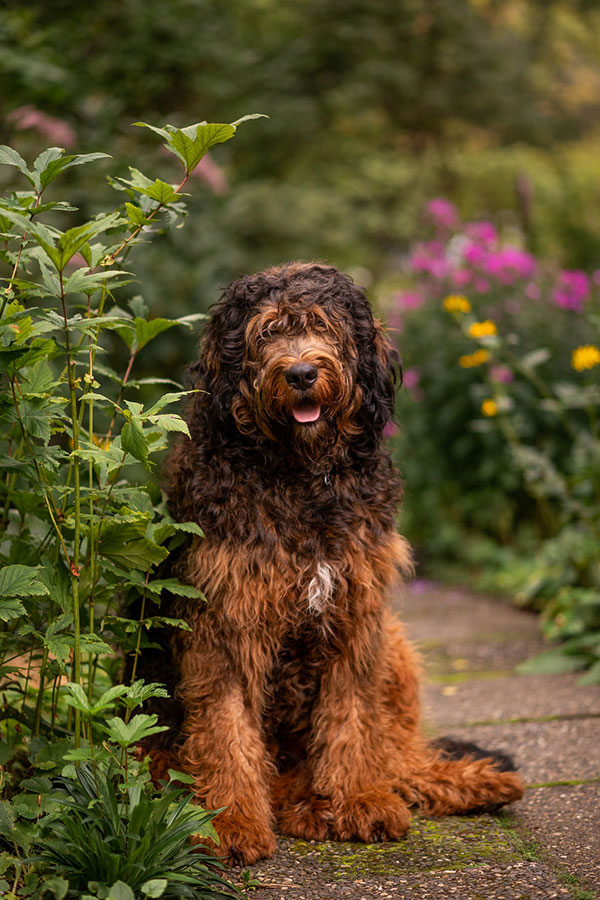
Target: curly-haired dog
[(299, 691)]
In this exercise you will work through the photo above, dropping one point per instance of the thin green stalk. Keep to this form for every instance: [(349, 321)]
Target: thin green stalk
[(75, 568), (37, 716)]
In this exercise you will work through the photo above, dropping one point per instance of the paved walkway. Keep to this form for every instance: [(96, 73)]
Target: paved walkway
[(547, 845)]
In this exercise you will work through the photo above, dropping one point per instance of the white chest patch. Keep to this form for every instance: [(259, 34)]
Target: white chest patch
[(320, 589)]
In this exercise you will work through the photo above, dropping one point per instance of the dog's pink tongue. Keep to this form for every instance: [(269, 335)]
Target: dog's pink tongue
[(306, 412)]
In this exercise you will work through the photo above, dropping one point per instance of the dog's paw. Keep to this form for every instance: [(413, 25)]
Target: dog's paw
[(242, 841), (371, 816), (308, 819)]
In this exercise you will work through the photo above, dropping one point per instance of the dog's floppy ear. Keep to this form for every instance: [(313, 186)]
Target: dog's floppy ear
[(219, 369), (378, 374)]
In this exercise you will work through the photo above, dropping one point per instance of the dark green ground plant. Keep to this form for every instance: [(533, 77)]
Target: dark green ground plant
[(83, 526)]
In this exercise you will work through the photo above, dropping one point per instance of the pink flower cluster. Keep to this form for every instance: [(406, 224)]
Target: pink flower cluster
[(57, 131), (572, 289), (470, 257)]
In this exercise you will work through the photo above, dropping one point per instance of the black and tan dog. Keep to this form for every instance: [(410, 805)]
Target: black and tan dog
[(298, 689)]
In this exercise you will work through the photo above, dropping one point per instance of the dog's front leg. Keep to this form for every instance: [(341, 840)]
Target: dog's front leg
[(349, 757), (224, 750)]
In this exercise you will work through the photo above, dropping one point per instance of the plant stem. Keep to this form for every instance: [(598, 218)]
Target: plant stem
[(75, 570)]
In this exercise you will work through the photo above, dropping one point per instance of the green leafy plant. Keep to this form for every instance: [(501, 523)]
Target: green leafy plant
[(83, 526)]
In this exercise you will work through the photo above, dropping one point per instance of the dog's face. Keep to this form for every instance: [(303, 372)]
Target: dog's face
[(299, 375), (293, 354)]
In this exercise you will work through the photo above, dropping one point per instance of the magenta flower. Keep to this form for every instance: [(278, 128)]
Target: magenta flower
[(510, 263), (406, 300), (501, 374), (430, 257), (483, 233), (572, 290), (460, 277), (443, 213)]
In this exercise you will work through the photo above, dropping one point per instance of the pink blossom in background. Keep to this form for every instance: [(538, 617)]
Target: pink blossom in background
[(474, 253), (501, 374), (596, 276), (481, 285), (406, 300), (390, 429), (460, 278), (57, 131), (412, 381), (430, 257), (443, 213), (212, 174), (510, 263), (411, 378), (482, 233), (572, 290), (533, 292)]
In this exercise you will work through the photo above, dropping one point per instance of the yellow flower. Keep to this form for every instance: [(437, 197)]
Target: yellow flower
[(457, 303), (482, 329), (489, 408), (474, 359), (585, 357)]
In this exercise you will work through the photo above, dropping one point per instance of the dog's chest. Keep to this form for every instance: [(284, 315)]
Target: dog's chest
[(320, 590)]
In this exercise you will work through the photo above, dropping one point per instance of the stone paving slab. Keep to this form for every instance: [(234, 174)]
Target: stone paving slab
[(564, 750), (460, 633), (566, 822), (345, 872), (501, 699), (439, 614)]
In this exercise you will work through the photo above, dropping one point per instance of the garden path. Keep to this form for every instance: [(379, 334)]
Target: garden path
[(546, 846)]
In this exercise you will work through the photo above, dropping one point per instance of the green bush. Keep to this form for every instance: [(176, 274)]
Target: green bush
[(83, 529)]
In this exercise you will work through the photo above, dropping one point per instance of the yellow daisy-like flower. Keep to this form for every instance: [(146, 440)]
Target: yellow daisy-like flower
[(585, 357), (489, 408), (482, 329), (474, 359), (457, 303)]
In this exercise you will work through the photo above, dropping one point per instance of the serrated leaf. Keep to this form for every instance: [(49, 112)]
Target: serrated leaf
[(190, 150), (165, 400), (7, 821), (21, 581), (78, 698), (173, 586), (160, 191), (138, 728), (171, 423), (133, 439), (135, 214), (11, 608), (10, 157)]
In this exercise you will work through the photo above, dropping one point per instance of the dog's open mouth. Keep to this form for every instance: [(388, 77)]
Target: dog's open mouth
[(306, 411)]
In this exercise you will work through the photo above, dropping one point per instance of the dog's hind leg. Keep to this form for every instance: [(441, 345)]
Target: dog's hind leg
[(444, 777)]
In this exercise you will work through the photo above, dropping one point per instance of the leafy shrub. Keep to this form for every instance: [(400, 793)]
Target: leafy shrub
[(82, 527), (500, 430)]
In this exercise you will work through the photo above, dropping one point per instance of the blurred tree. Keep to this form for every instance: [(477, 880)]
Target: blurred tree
[(373, 109)]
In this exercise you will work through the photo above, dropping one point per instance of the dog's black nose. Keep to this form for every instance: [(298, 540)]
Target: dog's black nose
[(301, 375)]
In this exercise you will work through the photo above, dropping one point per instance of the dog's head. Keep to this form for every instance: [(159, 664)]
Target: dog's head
[(292, 355)]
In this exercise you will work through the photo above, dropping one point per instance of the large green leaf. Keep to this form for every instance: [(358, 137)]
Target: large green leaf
[(21, 581)]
